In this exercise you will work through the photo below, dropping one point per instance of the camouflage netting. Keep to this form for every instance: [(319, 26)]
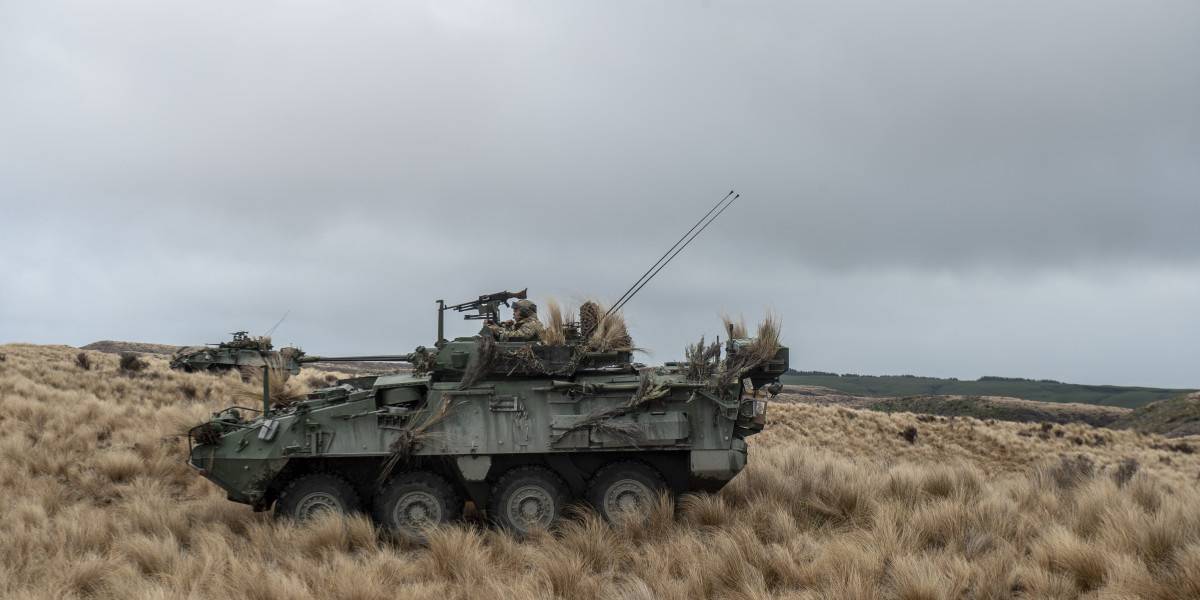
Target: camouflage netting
[(589, 316), (649, 389), (702, 360), (207, 433), (283, 390), (251, 343), (524, 359), (551, 355), (481, 362), (423, 361), (763, 348), (414, 434), (603, 333)]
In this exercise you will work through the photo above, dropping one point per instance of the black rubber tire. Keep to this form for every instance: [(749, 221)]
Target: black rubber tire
[(528, 498), (621, 486), (420, 491), (307, 495)]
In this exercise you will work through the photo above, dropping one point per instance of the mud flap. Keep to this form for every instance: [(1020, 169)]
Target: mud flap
[(714, 468)]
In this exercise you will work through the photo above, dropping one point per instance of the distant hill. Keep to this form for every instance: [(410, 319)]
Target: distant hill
[(978, 407), (1003, 409), (1028, 389), (1175, 417), (116, 347)]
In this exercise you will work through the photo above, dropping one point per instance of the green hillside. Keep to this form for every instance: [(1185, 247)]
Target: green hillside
[(1029, 389), (1174, 417)]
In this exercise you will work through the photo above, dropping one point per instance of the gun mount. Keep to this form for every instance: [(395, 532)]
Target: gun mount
[(486, 307)]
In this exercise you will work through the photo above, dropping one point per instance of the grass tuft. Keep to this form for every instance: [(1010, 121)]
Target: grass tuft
[(610, 333), (552, 330), (130, 363), (284, 390), (735, 329)]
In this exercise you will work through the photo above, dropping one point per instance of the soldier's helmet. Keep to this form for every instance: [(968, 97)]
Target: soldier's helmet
[(524, 308)]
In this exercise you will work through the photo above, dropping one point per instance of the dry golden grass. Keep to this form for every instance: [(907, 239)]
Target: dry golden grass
[(761, 349), (552, 329), (604, 332), (734, 328), (283, 388), (835, 504)]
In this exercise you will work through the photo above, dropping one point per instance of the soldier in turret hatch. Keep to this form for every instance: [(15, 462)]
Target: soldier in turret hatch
[(524, 326)]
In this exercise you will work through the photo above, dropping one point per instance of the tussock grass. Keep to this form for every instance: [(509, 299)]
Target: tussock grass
[(834, 504), (604, 333), (760, 350), (552, 329), (702, 359), (129, 363), (734, 328), (283, 389)]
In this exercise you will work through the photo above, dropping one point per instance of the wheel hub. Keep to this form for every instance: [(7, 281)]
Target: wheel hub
[(315, 503), (531, 506), (627, 495), (416, 509)]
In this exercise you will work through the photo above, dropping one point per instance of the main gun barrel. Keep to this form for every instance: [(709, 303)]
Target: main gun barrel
[(377, 358)]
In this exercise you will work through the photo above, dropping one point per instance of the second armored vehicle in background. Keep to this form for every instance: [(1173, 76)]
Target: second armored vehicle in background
[(242, 351)]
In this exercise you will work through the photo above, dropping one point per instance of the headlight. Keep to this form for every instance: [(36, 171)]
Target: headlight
[(753, 408)]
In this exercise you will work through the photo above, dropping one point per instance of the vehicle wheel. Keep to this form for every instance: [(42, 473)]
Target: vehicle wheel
[(309, 495), (526, 499), (624, 487), (413, 501)]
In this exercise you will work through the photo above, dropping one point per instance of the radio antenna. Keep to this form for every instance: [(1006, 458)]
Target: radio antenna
[(660, 259), (677, 248), (277, 323)]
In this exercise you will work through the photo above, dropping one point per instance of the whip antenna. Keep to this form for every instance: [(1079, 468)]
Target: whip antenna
[(660, 259), (277, 323), (660, 263)]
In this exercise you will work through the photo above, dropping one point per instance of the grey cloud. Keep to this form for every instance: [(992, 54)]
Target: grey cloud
[(171, 171)]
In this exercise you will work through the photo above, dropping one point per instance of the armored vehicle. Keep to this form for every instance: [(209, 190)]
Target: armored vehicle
[(241, 351), (519, 428)]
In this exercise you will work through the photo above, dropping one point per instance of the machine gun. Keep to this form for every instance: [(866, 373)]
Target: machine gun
[(486, 307)]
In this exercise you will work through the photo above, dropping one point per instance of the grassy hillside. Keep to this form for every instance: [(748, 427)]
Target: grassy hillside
[(116, 347), (1004, 409), (1043, 391), (979, 407), (1175, 417), (836, 503)]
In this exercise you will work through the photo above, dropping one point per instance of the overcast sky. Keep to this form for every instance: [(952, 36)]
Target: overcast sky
[(950, 188)]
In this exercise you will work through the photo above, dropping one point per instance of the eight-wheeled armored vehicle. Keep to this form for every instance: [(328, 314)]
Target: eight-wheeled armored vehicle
[(519, 428), (243, 350)]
